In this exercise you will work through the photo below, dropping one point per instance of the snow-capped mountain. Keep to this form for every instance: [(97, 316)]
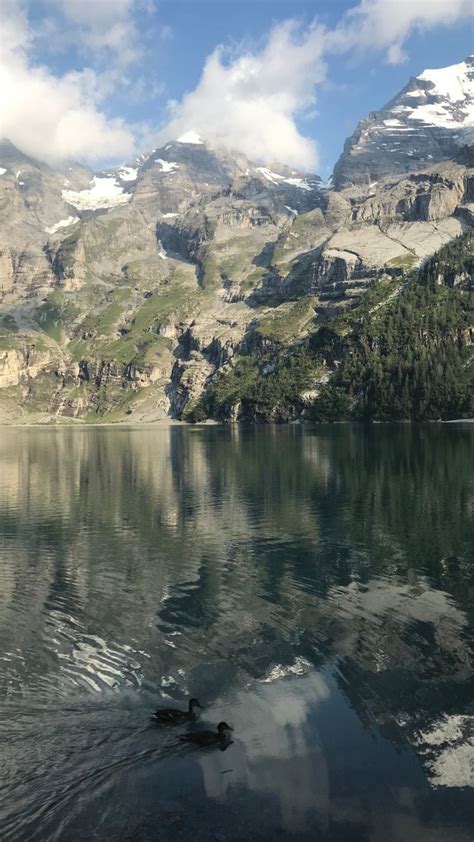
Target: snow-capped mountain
[(174, 174), (136, 284), (425, 123)]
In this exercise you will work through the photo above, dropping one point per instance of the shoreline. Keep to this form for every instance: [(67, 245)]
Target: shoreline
[(175, 422)]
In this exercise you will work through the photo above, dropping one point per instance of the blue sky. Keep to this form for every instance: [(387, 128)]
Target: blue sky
[(109, 69)]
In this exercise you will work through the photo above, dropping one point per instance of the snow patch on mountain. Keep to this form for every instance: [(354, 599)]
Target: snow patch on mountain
[(273, 177), (104, 193), (277, 179), (128, 173), (445, 97), (298, 182), (63, 223), (167, 166), (191, 137), (439, 115), (454, 83)]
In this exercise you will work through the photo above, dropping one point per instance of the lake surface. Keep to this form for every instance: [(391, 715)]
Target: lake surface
[(313, 586)]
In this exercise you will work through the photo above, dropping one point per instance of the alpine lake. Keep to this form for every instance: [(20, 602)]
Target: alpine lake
[(313, 586)]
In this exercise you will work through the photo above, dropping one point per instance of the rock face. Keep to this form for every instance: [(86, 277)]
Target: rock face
[(32, 207), (123, 292), (427, 122)]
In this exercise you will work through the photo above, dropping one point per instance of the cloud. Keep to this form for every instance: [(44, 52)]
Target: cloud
[(49, 116), (254, 101), (250, 102), (386, 24), (103, 27), (259, 101)]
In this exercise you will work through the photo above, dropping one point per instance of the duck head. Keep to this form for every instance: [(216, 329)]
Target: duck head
[(224, 730), (193, 704)]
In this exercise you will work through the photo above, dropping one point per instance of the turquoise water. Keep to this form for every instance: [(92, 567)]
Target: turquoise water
[(314, 586)]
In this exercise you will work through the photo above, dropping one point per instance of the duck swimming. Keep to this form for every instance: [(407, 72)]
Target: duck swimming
[(209, 738), (173, 716)]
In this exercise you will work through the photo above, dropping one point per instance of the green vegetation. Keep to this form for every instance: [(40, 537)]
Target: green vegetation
[(209, 272), (101, 323), (161, 306), (56, 312), (404, 261), (195, 413), (288, 321), (250, 281), (410, 360), (260, 386), (452, 264), (140, 344), (8, 324), (403, 353)]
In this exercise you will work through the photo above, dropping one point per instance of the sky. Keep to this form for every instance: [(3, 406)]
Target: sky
[(280, 80)]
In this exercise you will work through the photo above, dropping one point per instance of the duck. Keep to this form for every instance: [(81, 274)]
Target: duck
[(209, 738), (173, 716)]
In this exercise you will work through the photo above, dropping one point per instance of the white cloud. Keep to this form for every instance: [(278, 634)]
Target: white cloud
[(48, 116), (255, 101), (14, 25), (386, 24), (250, 102), (104, 26)]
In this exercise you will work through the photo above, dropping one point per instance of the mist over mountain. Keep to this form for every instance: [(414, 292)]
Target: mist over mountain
[(131, 292)]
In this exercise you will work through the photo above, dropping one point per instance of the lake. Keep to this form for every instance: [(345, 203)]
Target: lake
[(311, 585)]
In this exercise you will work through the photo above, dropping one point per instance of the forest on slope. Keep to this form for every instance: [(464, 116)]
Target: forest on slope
[(403, 353)]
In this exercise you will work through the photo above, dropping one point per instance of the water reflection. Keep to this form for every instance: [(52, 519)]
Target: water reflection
[(313, 585)]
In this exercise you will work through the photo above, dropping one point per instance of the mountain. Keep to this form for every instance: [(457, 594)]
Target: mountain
[(427, 122), (137, 291), (31, 203)]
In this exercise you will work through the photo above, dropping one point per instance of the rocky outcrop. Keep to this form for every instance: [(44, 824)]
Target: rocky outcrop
[(19, 365), (187, 382), (427, 196)]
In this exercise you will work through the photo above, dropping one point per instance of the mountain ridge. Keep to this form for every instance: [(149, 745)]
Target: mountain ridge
[(426, 122), (124, 292)]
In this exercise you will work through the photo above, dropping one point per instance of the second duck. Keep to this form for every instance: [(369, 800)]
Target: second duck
[(173, 716)]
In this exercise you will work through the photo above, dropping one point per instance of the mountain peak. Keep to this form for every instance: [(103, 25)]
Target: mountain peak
[(442, 97), (427, 122), (191, 137), (455, 83)]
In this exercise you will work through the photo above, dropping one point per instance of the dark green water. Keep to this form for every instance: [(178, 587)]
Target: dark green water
[(312, 586)]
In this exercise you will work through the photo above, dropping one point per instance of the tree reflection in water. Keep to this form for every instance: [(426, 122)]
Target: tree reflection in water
[(314, 585)]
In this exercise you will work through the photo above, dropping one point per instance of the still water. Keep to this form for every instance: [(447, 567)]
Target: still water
[(313, 586)]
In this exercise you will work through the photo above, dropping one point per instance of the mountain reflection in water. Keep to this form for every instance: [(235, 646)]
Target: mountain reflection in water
[(312, 586)]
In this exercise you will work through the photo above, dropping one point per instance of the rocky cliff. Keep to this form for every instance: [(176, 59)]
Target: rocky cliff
[(124, 293)]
